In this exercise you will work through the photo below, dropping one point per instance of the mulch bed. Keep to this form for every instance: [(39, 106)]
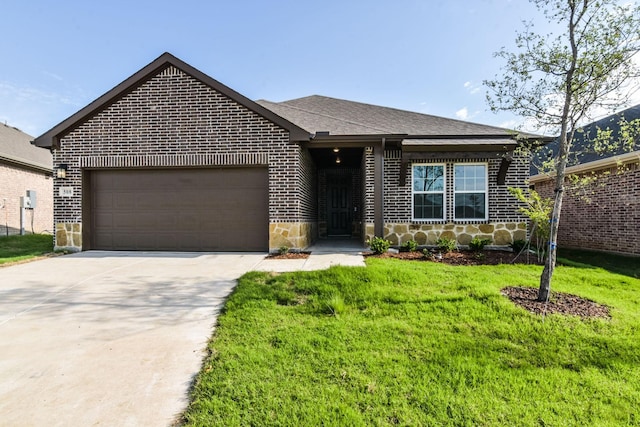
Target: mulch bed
[(290, 255), (559, 303), (464, 257)]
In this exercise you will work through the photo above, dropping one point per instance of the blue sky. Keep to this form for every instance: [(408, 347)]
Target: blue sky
[(428, 56)]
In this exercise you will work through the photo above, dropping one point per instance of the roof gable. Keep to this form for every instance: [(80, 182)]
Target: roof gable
[(51, 138)]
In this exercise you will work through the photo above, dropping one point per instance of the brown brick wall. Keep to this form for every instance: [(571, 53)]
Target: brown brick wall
[(307, 193), (502, 206), (369, 184), (173, 119), (605, 217), (14, 182)]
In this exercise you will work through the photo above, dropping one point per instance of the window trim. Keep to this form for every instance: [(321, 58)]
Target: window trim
[(486, 191), (443, 192)]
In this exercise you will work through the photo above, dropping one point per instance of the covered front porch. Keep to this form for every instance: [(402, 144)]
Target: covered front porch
[(349, 186)]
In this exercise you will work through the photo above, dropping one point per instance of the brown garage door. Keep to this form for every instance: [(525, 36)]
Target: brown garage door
[(180, 209)]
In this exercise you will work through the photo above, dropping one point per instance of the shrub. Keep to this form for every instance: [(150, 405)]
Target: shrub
[(282, 250), (518, 245), (538, 209), (477, 244), (379, 245), (428, 254), (410, 246), (444, 244)]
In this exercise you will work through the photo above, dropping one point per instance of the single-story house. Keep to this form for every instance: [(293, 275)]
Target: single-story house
[(171, 159), (24, 168), (604, 216)]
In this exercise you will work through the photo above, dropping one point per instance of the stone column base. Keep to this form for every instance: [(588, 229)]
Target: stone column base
[(294, 235), (68, 237)]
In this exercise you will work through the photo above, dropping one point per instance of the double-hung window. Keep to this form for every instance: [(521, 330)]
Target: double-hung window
[(428, 191), (470, 191)]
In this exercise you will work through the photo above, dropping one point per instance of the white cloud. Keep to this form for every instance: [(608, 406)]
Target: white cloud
[(34, 110), (472, 88), (462, 113)]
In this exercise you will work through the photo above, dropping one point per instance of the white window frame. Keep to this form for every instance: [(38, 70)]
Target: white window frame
[(486, 191), (443, 192)]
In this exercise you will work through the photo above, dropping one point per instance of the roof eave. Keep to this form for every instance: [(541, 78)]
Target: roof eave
[(608, 162), (26, 164)]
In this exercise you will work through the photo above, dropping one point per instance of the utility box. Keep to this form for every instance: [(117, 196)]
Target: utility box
[(31, 195), (25, 202)]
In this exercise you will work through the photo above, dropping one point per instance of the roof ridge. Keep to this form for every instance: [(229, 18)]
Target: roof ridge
[(284, 103), (400, 110)]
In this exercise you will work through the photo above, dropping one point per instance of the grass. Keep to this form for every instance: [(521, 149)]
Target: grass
[(418, 343), (621, 264), (20, 248)]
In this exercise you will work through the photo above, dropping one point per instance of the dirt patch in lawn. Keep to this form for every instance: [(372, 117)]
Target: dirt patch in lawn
[(559, 303), (290, 255), (464, 257)]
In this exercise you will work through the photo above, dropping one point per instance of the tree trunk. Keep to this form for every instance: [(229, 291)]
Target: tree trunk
[(566, 138), (544, 292)]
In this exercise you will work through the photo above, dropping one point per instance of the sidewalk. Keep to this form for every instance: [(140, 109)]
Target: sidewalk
[(324, 254)]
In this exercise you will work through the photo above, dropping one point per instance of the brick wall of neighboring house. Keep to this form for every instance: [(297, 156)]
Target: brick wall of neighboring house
[(604, 216), (505, 224), (15, 183), (173, 119)]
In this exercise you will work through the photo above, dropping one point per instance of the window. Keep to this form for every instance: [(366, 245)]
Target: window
[(470, 191), (428, 192)]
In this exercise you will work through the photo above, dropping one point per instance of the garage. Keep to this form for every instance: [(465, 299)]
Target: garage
[(207, 209)]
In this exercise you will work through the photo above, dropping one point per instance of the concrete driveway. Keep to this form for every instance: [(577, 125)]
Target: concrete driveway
[(108, 338)]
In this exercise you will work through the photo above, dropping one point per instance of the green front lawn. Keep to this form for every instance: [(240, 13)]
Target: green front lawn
[(20, 248), (419, 343), (621, 264)]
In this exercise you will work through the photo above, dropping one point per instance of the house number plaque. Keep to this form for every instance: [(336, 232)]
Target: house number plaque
[(65, 191)]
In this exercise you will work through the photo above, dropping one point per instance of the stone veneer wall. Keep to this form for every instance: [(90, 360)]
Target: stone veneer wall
[(501, 234), (68, 236), (504, 225), (608, 219), (175, 120), (293, 235)]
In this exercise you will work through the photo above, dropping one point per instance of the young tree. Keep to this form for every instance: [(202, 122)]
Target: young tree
[(560, 80)]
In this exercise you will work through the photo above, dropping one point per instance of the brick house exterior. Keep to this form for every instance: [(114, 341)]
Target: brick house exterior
[(325, 170), (602, 216), (23, 168), (607, 218)]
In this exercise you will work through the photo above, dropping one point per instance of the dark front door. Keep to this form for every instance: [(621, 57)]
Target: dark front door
[(339, 206)]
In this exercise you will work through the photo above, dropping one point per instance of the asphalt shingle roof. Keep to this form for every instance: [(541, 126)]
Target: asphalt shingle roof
[(582, 150), (341, 117), (16, 147)]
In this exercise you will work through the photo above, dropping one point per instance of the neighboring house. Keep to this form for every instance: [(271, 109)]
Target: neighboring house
[(23, 168), (604, 216), (171, 159)]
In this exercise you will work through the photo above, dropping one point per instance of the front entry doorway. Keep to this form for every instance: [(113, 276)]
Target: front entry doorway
[(339, 205)]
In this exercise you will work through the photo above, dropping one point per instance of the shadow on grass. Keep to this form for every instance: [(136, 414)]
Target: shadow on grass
[(619, 264)]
